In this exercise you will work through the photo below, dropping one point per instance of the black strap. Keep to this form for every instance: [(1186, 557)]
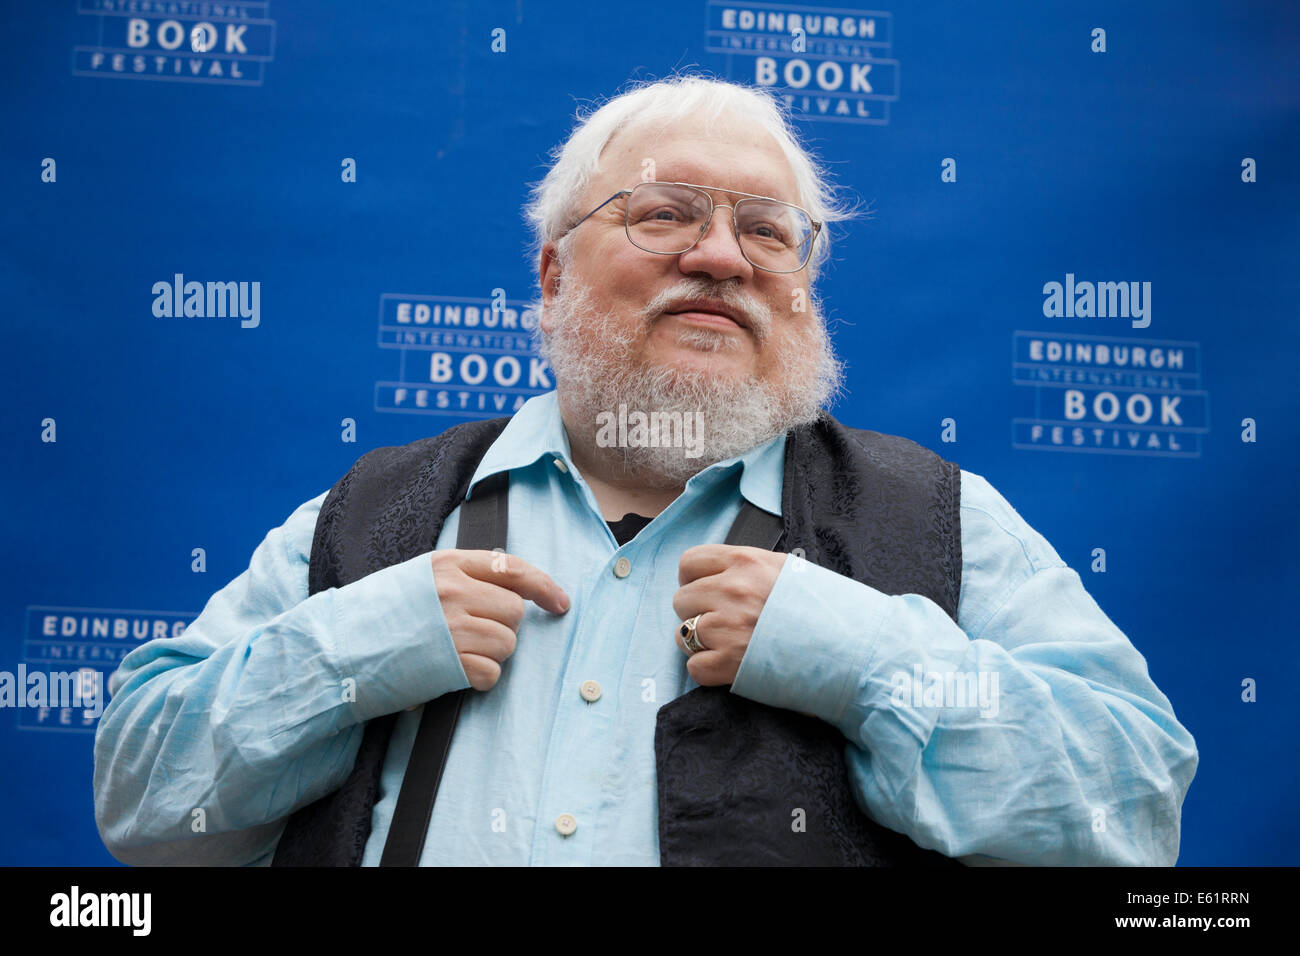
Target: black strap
[(482, 527), (755, 528)]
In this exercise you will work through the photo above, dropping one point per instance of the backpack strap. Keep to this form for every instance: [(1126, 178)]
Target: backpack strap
[(482, 527)]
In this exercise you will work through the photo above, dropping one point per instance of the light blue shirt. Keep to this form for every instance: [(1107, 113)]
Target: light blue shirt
[(1027, 732)]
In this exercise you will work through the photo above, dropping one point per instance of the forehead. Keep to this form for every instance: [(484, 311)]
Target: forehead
[(727, 152)]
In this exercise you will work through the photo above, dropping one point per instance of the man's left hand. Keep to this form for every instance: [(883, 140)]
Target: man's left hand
[(728, 586)]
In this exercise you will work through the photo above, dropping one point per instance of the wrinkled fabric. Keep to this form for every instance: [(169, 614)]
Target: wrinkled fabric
[(242, 716), (906, 525)]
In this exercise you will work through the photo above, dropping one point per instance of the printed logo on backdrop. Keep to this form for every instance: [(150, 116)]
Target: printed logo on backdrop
[(459, 355), (1108, 394), (180, 40), (827, 63), (68, 654)]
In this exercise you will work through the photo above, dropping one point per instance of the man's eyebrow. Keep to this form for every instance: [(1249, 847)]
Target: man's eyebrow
[(765, 189)]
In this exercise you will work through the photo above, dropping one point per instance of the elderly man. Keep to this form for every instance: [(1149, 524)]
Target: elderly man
[(752, 636)]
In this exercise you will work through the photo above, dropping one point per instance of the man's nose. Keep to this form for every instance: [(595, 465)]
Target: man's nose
[(718, 254)]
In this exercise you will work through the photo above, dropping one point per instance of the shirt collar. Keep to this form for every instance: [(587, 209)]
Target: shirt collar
[(537, 431)]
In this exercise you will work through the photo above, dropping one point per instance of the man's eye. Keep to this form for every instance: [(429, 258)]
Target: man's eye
[(665, 214), (765, 230)]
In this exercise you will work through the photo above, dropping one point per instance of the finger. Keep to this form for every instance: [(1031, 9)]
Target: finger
[(487, 600), (703, 560), (695, 598), (483, 636), (482, 672), (515, 574), (707, 668)]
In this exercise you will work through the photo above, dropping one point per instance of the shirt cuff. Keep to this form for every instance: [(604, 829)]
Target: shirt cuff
[(393, 641), (812, 641)]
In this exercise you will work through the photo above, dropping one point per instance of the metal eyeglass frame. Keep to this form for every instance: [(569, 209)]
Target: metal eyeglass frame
[(704, 230)]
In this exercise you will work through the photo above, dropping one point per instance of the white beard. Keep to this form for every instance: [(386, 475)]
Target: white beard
[(736, 414)]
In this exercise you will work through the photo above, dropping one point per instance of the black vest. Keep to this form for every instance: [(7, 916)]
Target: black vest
[(876, 508)]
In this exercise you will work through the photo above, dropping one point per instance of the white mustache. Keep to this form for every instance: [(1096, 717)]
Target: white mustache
[(757, 315)]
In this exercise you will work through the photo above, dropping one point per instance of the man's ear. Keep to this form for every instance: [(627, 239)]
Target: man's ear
[(548, 271)]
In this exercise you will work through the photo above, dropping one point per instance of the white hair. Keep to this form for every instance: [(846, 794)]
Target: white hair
[(552, 209)]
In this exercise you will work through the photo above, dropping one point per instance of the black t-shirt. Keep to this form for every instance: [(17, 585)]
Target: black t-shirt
[(626, 527)]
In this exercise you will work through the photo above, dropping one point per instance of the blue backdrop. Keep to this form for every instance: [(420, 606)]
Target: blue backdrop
[(1001, 146)]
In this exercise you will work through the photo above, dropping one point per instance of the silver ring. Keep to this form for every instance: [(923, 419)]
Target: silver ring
[(689, 639)]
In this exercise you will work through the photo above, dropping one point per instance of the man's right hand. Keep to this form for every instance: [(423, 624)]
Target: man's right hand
[(482, 595)]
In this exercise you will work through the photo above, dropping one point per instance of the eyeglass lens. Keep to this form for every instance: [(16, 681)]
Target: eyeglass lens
[(669, 219)]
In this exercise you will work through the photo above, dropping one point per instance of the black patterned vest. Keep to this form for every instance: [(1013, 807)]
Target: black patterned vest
[(876, 508)]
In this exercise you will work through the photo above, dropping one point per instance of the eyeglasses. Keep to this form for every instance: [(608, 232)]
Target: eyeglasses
[(670, 218)]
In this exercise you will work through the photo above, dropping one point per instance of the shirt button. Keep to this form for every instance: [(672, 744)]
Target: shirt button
[(622, 568), (566, 823), (590, 691), (561, 465)]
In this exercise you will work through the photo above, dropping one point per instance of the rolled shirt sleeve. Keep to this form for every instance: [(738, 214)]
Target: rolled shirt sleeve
[(211, 739), (1029, 731)]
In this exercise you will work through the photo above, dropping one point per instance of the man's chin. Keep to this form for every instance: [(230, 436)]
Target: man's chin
[(685, 374), (702, 343)]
